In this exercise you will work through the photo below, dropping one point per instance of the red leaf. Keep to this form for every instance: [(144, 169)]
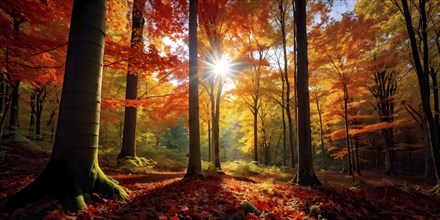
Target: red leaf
[(261, 206), (251, 216)]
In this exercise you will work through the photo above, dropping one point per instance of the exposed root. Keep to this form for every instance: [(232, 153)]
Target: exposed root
[(59, 184), (307, 178)]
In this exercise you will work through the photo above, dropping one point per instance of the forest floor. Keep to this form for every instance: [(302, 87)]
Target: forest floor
[(166, 195)]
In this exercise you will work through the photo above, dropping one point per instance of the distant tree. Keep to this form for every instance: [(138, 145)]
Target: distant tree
[(137, 42), (73, 169), (176, 137)]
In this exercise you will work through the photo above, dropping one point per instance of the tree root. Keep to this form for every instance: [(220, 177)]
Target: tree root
[(58, 183), (436, 189), (307, 178)]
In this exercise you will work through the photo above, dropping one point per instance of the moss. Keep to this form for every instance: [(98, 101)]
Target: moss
[(249, 208), (74, 203), (436, 189), (58, 183), (106, 187)]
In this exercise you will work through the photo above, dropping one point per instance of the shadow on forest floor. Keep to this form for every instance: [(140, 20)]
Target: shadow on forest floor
[(166, 195)]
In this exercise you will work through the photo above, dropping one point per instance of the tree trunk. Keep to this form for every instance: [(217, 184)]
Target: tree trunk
[(283, 11), (209, 142), (356, 147), (5, 114), (13, 116), (424, 85), (32, 116), (73, 168), (216, 127), (321, 133), (40, 99), (194, 161), (255, 114), (306, 174), (347, 136), (128, 149)]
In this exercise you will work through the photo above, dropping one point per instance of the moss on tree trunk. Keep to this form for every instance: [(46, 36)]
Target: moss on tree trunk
[(58, 183)]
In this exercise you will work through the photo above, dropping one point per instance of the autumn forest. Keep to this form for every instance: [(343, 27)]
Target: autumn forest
[(219, 109)]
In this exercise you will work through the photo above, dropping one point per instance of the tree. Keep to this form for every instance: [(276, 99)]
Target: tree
[(137, 42), (306, 174), (194, 162), (422, 76), (73, 169), (282, 17)]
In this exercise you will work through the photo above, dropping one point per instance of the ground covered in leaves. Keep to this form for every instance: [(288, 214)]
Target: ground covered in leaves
[(166, 195)]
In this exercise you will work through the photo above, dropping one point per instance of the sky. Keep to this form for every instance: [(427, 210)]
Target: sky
[(342, 6)]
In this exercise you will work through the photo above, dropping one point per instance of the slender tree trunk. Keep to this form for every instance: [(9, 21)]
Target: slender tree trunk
[(306, 174), (388, 153), (255, 114), (40, 99), (194, 162), (435, 86), (5, 114), (73, 168), (128, 149), (216, 125), (321, 133), (347, 136), (13, 116), (213, 115), (356, 147), (283, 11), (32, 116), (209, 142), (424, 85)]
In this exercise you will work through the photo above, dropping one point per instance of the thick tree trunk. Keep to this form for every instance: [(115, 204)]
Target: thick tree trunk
[(73, 168), (128, 149), (306, 174), (194, 161), (424, 86)]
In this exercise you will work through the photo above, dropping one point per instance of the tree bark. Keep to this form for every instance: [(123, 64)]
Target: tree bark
[(306, 174), (424, 86), (347, 136), (282, 17), (128, 149), (13, 114), (73, 168), (321, 133), (216, 126), (194, 161), (40, 98)]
